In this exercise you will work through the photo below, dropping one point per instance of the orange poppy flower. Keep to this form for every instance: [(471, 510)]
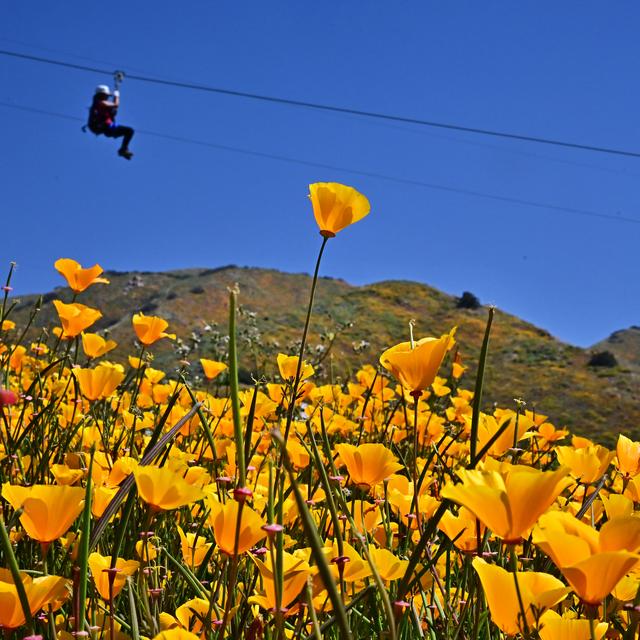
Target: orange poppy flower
[(150, 329), (100, 569), (177, 633), (389, 566), (165, 489), (538, 591), (224, 520), (95, 346), (75, 318), (100, 382), (555, 627), (336, 206), (295, 571), (628, 456), (212, 368), (368, 464), (416, 365), (78, 278), (587, 464), (40, 592), (194, 548), (592, 561), (48, 510), (288, 365), (509, 501)]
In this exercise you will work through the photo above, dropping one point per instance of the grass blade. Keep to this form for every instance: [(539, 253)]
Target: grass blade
[(316, 543), (477, 395)]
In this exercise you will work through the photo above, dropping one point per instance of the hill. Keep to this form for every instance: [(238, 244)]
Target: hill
[(357, 323), (624, 345)]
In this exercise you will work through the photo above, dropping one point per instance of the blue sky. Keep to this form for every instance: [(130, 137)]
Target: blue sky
[(559, 70)]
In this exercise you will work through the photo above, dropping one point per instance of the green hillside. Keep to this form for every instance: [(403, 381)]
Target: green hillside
[(351, 326)]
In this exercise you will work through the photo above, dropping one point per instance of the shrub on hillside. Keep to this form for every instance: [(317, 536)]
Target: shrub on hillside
[(603, 359), (468, 301)]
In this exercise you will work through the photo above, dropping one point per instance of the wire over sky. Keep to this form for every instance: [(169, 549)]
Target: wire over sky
[(332, 108), (368, 174)]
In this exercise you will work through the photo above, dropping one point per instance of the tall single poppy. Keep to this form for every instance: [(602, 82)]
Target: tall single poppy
[(336, 206)]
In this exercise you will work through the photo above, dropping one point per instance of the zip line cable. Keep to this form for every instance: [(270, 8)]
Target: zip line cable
[(325, 107), (396, 127), (367, 174)]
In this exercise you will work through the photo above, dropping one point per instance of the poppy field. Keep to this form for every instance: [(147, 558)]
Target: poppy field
[(399, 504)]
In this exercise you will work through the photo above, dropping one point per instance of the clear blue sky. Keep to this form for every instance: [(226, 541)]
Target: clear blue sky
[(561, 70)]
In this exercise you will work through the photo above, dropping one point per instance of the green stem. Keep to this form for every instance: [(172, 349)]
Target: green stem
[(233, 573), (316, 544), (83, 560), (514, 570), (303, 344), (233, 384), (15, 573), (477, 395)]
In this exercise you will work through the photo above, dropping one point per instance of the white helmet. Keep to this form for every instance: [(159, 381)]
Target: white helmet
[(103, 88)]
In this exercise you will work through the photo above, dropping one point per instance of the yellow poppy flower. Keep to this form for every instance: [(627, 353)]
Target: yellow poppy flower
[(554, 627), (462, 529), (538, 591), (102, 496), (509, 501), (177, 633), (192, 616), (65, 475), (617, 505), (224, 520), (587, 464), (100, 570), (40, 592), (416, 366), (457, 369), (488, 426), (336, 206), (548, 434), (95, 346), (17, 357), (354, 568), (122, 468), (78, 278), (212, 368), (75, 318), (288, 365), (368, 464), (592, 561), (295, 571), (100, 382), (165, 489), (134, 362), (389, 566), (48, 509), (150, 329), (146, 550), (628, 456), (194, 548)]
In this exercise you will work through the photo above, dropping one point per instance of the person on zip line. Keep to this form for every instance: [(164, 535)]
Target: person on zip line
[(102, 118)]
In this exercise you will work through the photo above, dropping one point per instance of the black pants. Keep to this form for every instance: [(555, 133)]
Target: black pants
[(120, 131)]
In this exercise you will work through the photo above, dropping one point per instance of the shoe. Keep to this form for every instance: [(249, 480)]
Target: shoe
[(125, 153)]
